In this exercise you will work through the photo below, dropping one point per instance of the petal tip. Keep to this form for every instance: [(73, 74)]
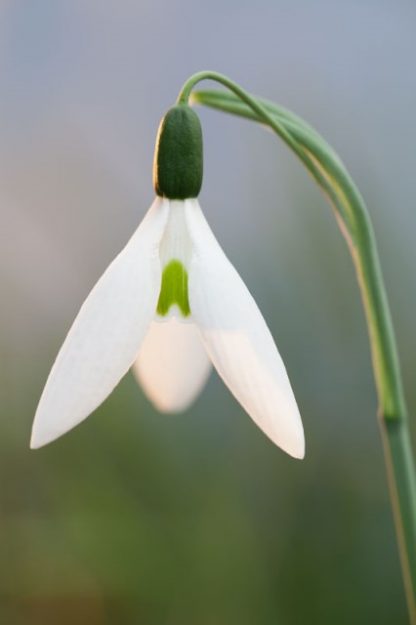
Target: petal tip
[(37, 441), (171, 404), (34, 445), (292, 441), (297, 447), (41, 436), (298, 454)]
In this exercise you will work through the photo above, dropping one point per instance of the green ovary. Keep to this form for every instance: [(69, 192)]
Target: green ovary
[(174, 289)]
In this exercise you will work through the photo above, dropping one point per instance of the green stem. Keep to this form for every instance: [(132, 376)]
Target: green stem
[(331, 175)]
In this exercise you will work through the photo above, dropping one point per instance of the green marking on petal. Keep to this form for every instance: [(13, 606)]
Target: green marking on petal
[(174, 289)]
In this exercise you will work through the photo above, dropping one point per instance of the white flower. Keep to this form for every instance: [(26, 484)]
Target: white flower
[(206, 314), (169, 305)]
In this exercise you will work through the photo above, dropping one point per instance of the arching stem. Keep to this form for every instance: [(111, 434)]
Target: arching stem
[(331, 175)]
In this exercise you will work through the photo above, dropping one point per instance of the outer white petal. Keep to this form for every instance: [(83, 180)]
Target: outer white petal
[(172, 365), (238, 340), (105, 337)]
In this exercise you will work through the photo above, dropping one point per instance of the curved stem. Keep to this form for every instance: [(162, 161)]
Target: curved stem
[(245, 97), (331, 175)]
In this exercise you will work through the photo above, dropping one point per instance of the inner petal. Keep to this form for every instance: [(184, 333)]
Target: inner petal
[(172, 365), (175, 253)]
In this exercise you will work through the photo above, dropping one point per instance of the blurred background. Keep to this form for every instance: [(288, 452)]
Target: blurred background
[(137, 517)]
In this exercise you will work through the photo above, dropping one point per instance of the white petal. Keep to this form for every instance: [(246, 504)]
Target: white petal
[(238, 340), (105, 337), (172, 365), (175, 243)]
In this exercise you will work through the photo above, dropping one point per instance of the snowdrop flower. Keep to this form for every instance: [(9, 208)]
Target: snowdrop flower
[(169, 305)]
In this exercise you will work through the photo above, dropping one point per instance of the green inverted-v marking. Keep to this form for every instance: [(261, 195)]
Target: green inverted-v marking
[(174, 289)]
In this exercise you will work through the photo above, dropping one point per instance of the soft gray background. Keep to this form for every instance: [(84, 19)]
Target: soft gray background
[(136, 517)]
